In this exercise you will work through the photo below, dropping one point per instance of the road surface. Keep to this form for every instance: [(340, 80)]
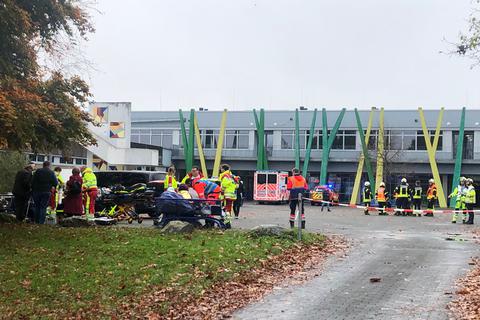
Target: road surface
[(416, 264)]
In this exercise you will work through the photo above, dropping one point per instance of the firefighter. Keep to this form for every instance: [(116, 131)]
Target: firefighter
[(229, 191), (431, 197), (367, 197), (89, 189), (382, 197), (402, 193), (470, 200), (170, 181), (459, 192), (417, 198), (297, 185)]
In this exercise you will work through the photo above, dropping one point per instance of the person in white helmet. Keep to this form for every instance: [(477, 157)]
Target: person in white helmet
[(382, 198), (367, 197), (459, 192), (417, 198), (431, 197), (402, 194)]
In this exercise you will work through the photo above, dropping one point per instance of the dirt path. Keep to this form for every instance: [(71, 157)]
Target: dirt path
[(410, 255)]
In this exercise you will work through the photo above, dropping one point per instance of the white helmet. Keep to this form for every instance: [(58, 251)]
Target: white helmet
[(470, 180), (404, 180), (382, 184), (462, 179), (431, 181), (367, 184)]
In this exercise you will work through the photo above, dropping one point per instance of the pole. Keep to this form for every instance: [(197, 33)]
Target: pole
[(299, 217), (297, 141), (309, 144), (458, 159)]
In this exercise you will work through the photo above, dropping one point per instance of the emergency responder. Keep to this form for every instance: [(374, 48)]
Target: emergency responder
[(89, 189), (367, 197), (326, 198), (297, 185), (402, 193), (237, 204), (205, 189), (57, 193), (194, 174), (170, 181), (229, 191), (470, 200), (459, 192), (431, 197), (417, 198), (382, 198)]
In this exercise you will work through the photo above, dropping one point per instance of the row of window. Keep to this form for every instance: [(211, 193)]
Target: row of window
[(344, 140), (57, 159), (234, 139)]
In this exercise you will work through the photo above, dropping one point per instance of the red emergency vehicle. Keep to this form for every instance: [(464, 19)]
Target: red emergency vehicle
[(270, 186)]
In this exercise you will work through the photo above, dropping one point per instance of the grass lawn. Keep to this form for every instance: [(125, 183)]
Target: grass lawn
[(49, 272)]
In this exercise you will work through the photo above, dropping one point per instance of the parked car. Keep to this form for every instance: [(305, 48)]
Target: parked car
[(317, 195)]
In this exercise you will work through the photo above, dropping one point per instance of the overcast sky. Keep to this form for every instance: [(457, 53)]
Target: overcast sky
[(278, 54)]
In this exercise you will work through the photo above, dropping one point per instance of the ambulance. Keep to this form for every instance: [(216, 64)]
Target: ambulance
[(270, 186)]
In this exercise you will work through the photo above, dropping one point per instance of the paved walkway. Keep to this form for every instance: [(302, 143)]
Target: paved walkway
[(417, 267)]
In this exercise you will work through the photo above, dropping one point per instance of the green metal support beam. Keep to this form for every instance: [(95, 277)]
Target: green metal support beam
[(327, 143), (309, 144), (191, 142), (184, 137), (459, 156), (366, 157), (262, 140), (297, 140)]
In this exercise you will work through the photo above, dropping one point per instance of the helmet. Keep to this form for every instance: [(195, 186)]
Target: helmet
[(404, 180), (367, 184), (417, 183), (462, 179), (431, 181), (382, 184), (470, 180)]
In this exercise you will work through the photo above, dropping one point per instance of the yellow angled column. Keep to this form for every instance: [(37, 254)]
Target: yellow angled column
[(218, 155), (431, 150), (380, 148), (200, 148), (358, 177)]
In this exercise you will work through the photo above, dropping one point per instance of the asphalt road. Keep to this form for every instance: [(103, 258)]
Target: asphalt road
[(416, 264)]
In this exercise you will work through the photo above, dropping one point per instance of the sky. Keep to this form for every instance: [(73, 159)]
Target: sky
[(280, 54)]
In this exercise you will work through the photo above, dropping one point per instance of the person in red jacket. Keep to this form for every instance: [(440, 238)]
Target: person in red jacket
[(296, 184), (73, 202), (206, 189)]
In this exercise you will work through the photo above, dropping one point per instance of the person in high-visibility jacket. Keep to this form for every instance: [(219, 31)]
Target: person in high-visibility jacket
[(183, 191), (459, 192), (89, 189), (229, 191), (170, 181), (470, 200), (382, 198), (194, 174), (57, 192), (296, 184), (431, 197), (367, 197), (402, 194), (417, 197)]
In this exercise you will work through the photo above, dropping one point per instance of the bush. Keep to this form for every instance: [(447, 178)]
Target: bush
[(10, 163)]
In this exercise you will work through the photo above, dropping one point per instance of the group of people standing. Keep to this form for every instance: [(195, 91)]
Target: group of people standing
[(407, 199), (465, 200), (50, 193), (228, 188)]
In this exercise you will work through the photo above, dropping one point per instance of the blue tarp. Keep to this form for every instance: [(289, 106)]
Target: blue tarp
[(173, 203)]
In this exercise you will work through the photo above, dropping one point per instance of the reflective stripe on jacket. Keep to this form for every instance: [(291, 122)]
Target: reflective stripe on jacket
[(367, 194), (228, 185), (170, 181), (417, 193), (471, 195), (89, 179), (402, 191), (432, 192), (381, 196)]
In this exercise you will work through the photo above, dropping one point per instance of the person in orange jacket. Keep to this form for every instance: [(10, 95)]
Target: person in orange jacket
[(297, 185)]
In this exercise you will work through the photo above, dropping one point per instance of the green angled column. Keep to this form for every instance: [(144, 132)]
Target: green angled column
[(309, 144), (191, 142), (458, 158), (327, 143), (184, 137), (262, 134), (366, 157), (260, 139), (297, 140)]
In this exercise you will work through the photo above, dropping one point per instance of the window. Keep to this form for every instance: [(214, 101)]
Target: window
[(156, 137), (236, 139), (468, 142), (287, 139), (344, 140), (421, 140)]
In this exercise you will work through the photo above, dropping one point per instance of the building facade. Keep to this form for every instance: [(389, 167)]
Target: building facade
[(404, 155)]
